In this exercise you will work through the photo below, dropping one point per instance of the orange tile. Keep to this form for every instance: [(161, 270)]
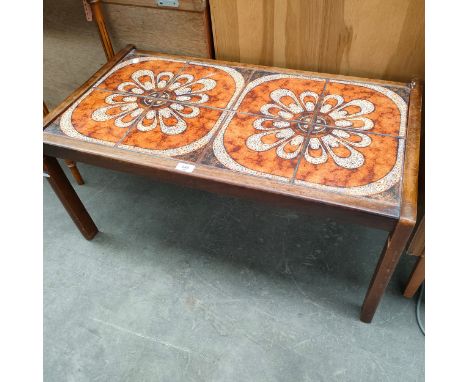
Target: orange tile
[(210, 85), (142, 76), (350, 162), (282, 96), (200, 83), (363, 107), (102, 116), (173, 129), (252, 145)]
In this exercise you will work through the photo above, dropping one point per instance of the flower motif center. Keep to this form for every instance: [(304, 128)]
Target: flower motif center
[(324, 136), (317, 129), (324, 119), (305, 121), (162, 97)]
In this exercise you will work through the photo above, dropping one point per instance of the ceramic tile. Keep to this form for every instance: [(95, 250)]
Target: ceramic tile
[(364, 107), (211, 85), (353, 163), (201, 84), (250, 145), (101, 116), (143, 76), (333, 135), (172, 129), (283, 96)]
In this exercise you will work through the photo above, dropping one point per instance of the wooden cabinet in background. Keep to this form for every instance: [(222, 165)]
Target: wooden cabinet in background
[(184, 30), (366, 38), (73, 52)]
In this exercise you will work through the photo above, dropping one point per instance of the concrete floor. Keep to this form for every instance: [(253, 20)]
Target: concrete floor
[(183, 285)]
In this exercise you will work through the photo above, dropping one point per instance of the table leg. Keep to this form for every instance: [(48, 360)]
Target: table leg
[(74, 170), (394, 247), (69, 198), (416, 278)]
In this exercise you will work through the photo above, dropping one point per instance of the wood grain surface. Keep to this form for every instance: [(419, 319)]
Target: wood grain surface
[(366, 38), (164, 30)]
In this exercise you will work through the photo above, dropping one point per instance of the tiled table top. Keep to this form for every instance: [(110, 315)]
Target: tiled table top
[(338, 136)]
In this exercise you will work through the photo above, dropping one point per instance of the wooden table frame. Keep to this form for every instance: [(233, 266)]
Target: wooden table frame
[(219, 181)]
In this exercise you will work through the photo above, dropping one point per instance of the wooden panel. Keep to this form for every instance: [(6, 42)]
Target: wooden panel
[(366, 38), (162, 30)]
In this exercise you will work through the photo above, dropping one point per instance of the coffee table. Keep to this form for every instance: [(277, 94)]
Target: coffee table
[(327, 145)]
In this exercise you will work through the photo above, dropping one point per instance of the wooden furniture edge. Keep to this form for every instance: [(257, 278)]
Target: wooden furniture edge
[(274, 69), (416, 277), (398, 239), (217, 180), (417, 244), (64, 105), (409, 193), (69, 198), (102, 28), (70, 164), (184, 5), (208, 29)]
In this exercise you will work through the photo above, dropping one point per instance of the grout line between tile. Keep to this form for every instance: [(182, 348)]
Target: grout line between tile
[(309, 132), (246, 83), (132, 126), (360, 131), (228, 112), (179, 72), (208, 146), (356, 130)]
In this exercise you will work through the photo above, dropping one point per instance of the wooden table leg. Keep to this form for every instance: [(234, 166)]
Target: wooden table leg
[(69, 198), (394, 247), (74, 170), (416, 278)]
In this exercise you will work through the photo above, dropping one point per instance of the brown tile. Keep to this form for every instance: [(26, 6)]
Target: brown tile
[(284, 96), (173, 130), (102, 116), (254, 146), (353, 163), (364, 107)]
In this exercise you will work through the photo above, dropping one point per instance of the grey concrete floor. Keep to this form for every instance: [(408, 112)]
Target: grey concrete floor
[(183, 285)]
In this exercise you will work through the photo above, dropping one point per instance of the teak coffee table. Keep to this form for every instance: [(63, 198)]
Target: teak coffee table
[(330, 145)]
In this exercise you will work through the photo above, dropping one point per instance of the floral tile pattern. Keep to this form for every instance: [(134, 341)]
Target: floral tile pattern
[(283, 96), (358, 163), (334, 135), (264, 150), (363, 107), (101, 116), (156, 105), (182, 129), (213, 85), (142, 76)]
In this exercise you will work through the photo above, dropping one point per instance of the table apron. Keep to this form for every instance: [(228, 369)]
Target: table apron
[(340, 213)]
